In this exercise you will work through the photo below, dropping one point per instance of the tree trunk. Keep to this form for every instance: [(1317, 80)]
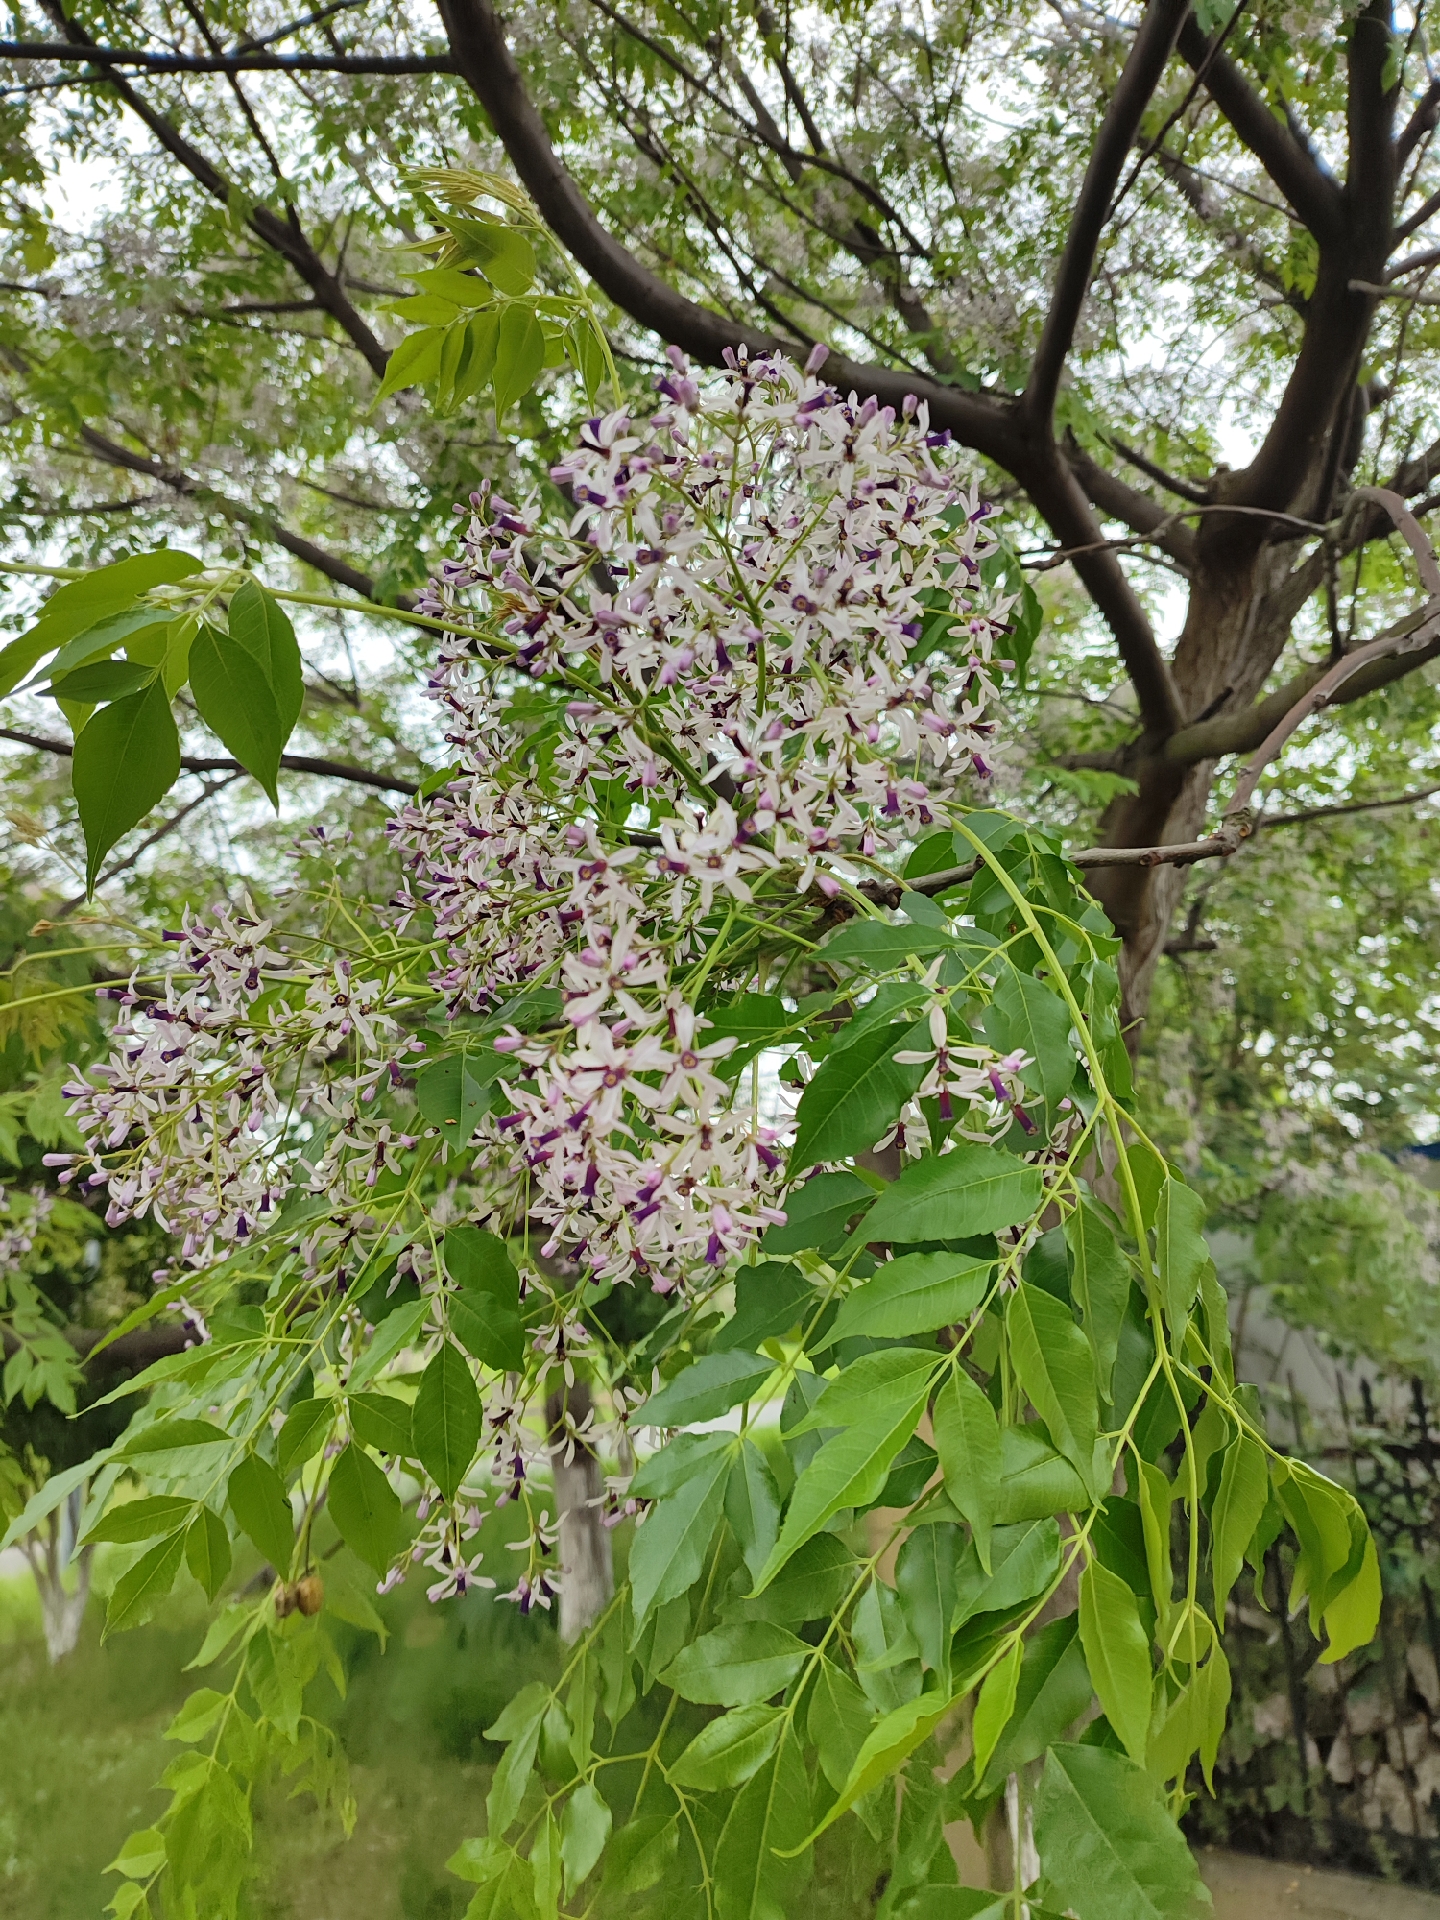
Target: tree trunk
[(587, 1573), (51, 1552)]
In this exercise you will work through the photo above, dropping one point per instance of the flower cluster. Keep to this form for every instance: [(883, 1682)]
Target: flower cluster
[(759, 656), (198, 1114)]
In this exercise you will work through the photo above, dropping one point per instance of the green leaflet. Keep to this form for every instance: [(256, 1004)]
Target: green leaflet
[(365, 1508), (1100, 1282), (1239, 1502), (728, 1751), (207, 1551), (584, 1829), (1117, 1652), (1106, 1842), (1025, 1017), (256, 1495), (995, 1706), (736, 1666), (484, 1311), (1193, 1722), (519, 356), (519, 1725), (640, 1853), (839, 1719), (303, 1434), (885, 1748), (856, 1096), (141, 1519), (453, 1096), (78, 605), (762, 1859), (446, 1420), (1052, 1362), (501, 252), (1035, 1480), (770, 1299), (141, 1588), (971, 1190), (914, 1294), (1052, 1692), (880, 949), (237, 703), (669, 1550), (1026, 1559), (1180, 1250), (125, 760), (381, 1421), (705, 1389), (967, 1439), (871, 1388), (927, 1581), (817, 1213), (752, 1506)]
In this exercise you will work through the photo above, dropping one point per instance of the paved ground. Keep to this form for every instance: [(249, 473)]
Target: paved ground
[(1249, 1889)]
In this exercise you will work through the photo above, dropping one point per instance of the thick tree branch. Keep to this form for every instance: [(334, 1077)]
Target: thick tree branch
[(1136, 510), (1315, 197), (283, 236), (255, 62), (1141, 74), (202, 763)]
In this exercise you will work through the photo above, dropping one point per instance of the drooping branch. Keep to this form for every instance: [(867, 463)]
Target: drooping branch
[(148, 61), (206, 763), (1141, 74)]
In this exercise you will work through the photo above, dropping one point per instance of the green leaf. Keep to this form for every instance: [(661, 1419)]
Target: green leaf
[(1054, 1690), (399, 1328), (546, 1867), (817, 1213), (886, 1747), (102, 680), (141, 1588), (914, 1294), (451, 1095), (1108, 1847), (207, 1551), (1154, 1499), (257, 1500), (414, 361), (971, 1190), (1035, 1480), (1026, 1559), (381, 1421), (640, 1853), (752, 1506), (769, 1299), (848, 1471), (881, 949), (261, 626), (197, 1716), (668, 1554), (584, 1829), (1052, 1362), (872, 1388), (502, 253), (768, 1819), (736, 1666), (446, 1420), (141, 1519), (967, 1439), (485, 1312), (519, 356), (926, 1581), (728, 1751), (142, 1854), (520, 1725), (705, 1390), (1193, 1723), (126, 759), (1181, 1250), (1100, 1283), (839, 1719), (365, 1508), (1353, 1612), (1239, 1502), (236, 703), (855, 1097), (304, 1433), (1026, 1017), (995, 1706), (1117, 1652), (80, 604)]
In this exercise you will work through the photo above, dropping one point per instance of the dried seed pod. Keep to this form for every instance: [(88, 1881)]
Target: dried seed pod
[(309, 1593), (286, 1599)]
